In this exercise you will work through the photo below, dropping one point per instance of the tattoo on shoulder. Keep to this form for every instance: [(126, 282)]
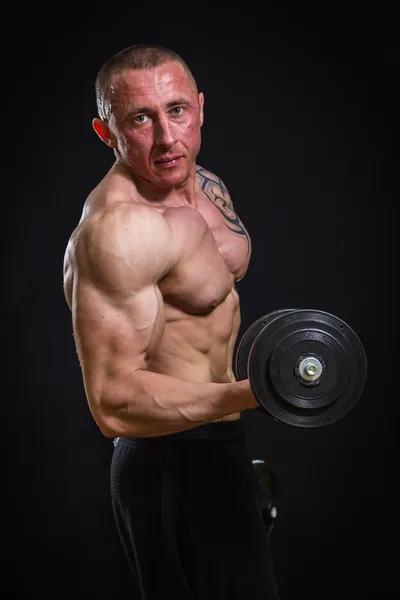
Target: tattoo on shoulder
[(217, 193)]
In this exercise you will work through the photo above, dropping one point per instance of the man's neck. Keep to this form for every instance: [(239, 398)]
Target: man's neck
[(182, 195)]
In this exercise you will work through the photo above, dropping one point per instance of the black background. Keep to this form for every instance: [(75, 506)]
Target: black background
[(301, 125)]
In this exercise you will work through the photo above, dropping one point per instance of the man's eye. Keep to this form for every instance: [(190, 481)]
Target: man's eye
[(140, 119), (177, 110)]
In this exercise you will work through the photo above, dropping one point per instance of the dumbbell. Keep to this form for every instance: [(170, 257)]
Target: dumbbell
[(306, 367)]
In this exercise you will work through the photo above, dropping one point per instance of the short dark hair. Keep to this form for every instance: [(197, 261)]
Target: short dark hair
[(137, 56)]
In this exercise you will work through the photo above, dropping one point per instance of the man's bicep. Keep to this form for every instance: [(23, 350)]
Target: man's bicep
[(114, 335)]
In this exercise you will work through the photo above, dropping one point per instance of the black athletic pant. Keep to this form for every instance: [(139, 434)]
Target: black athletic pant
[(188, 512)]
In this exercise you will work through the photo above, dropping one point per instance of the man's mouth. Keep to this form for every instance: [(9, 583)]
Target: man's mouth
[(168, 160)]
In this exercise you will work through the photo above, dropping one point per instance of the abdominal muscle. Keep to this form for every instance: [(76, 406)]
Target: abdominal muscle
[(199, 348)]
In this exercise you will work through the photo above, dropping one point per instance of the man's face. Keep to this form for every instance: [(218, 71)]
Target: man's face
[(156, 120)]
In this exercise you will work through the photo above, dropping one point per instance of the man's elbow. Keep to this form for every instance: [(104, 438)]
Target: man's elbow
[(106, 429), (102, 416), (104, 422), (110, 420)]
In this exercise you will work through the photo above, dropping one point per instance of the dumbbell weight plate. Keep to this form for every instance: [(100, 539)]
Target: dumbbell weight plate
[(244, 347), (291, 339)]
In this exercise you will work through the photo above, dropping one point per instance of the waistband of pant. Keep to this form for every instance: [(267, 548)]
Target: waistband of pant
[(214, 431)]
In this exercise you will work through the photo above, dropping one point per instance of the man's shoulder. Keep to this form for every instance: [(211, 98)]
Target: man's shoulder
[(212, 184), (131, 232), (122, 218), (203, 174)]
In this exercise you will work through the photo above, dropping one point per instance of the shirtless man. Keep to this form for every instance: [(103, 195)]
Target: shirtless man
[(149, 277)]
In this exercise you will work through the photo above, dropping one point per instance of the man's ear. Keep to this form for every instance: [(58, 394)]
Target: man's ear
[(201, 105), (103, 131)]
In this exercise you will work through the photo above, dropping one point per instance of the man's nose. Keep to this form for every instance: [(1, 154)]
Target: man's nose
[(165, 134)]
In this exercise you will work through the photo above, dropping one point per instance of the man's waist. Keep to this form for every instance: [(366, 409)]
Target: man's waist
[(220, 430)]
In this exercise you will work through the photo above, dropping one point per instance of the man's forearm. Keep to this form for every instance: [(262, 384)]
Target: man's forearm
[(160, 404)]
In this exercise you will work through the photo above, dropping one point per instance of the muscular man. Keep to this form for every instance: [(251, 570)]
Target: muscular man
[(149, 276)]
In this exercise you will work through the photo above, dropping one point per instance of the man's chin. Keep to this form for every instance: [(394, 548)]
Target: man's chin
[(172, 177)]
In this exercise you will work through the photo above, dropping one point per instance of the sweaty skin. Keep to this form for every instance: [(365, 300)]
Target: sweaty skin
[(150, 270)]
